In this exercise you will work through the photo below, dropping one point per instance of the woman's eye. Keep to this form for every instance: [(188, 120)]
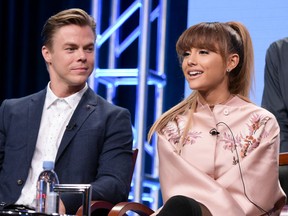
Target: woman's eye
[(204, 52), (186, 54)]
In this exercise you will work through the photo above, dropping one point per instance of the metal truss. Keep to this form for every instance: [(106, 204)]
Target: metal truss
[(145, 188)]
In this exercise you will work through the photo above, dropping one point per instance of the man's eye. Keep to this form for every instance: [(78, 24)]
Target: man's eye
[(70, 49), (90, 49)]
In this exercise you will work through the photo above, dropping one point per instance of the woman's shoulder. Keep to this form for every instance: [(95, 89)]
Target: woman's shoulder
[(250, 106)]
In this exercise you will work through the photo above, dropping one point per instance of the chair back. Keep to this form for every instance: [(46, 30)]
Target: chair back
[(134, 159)]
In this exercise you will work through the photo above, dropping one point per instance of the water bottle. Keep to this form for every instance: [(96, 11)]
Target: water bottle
[(47, 201)]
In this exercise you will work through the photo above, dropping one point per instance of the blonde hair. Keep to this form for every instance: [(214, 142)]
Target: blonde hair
[(73, 16), (225, 39)]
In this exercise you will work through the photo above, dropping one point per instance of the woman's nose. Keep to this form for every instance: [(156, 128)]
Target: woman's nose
[(192, 58), (191, 61)]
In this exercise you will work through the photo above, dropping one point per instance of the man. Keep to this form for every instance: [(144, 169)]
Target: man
[(275, 94), (89, 139)]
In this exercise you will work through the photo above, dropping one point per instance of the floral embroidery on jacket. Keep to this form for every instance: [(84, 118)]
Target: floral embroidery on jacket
[(191, 137), (229, 142), (172, 133), (246, 141), (174, 130), (252, 140)]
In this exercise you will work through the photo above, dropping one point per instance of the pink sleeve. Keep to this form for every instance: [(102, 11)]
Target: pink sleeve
[(225, 195)]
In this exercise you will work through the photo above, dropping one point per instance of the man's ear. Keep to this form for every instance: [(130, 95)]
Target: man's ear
[(233, 61), (46, 53)]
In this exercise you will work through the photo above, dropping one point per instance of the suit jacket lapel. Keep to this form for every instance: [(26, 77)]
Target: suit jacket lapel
[(85, 107), (35, 108)]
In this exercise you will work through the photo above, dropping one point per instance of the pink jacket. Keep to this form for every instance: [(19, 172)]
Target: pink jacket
[(205, 166)]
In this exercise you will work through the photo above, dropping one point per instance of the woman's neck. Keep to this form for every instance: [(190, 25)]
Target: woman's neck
[(213, 100)]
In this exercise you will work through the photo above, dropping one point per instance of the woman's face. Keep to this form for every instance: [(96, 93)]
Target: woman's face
[(205, 70)]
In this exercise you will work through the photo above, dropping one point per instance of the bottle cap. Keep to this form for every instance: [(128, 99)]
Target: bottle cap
[(48, 165)]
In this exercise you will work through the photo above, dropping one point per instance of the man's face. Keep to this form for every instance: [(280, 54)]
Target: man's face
[(71, 58)]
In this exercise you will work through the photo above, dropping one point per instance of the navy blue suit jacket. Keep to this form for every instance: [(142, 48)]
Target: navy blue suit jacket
[(275, 93), (95, 149)]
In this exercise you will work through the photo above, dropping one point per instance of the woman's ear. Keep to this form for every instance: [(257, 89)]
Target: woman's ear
[(233, 61), (46, 54)]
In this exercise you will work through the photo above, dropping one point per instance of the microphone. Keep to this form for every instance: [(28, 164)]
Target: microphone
[(214, 132), (70, 127)]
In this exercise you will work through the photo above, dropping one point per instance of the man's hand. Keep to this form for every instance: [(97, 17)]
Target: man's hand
[(62, 209)]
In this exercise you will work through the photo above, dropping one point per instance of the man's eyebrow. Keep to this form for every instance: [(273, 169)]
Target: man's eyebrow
[(70, 44), (76, 45), (90, 44)]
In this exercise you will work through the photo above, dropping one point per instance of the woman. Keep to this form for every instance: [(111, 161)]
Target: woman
[(218, 151)]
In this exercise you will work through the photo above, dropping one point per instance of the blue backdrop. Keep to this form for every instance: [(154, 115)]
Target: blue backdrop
[(265, 19)]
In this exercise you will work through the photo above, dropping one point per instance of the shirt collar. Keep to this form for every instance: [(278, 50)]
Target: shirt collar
[(71, 100)]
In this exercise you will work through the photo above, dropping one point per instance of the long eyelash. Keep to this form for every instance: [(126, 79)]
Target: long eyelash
[(185, 54)]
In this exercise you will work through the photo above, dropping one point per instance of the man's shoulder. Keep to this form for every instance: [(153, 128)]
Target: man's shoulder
[(24, 99), (108, 105), (280, 44), (99, 100)]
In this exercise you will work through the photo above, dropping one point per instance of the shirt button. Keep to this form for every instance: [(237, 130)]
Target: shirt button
[(19, 182), (226, 112)]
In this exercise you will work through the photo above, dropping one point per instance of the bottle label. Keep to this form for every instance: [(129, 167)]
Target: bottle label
[(46, 199), (52, 203), (41, 196)]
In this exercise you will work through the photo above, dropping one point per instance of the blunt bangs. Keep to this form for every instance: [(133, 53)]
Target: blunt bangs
[(210, 36)]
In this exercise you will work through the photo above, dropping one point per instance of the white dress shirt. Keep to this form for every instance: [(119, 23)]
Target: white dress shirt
[(55, 118)]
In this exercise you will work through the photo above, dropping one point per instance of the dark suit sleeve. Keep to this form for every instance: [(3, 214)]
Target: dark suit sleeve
[(2, 135), (112, 180), (115, 162), (275, 92)]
